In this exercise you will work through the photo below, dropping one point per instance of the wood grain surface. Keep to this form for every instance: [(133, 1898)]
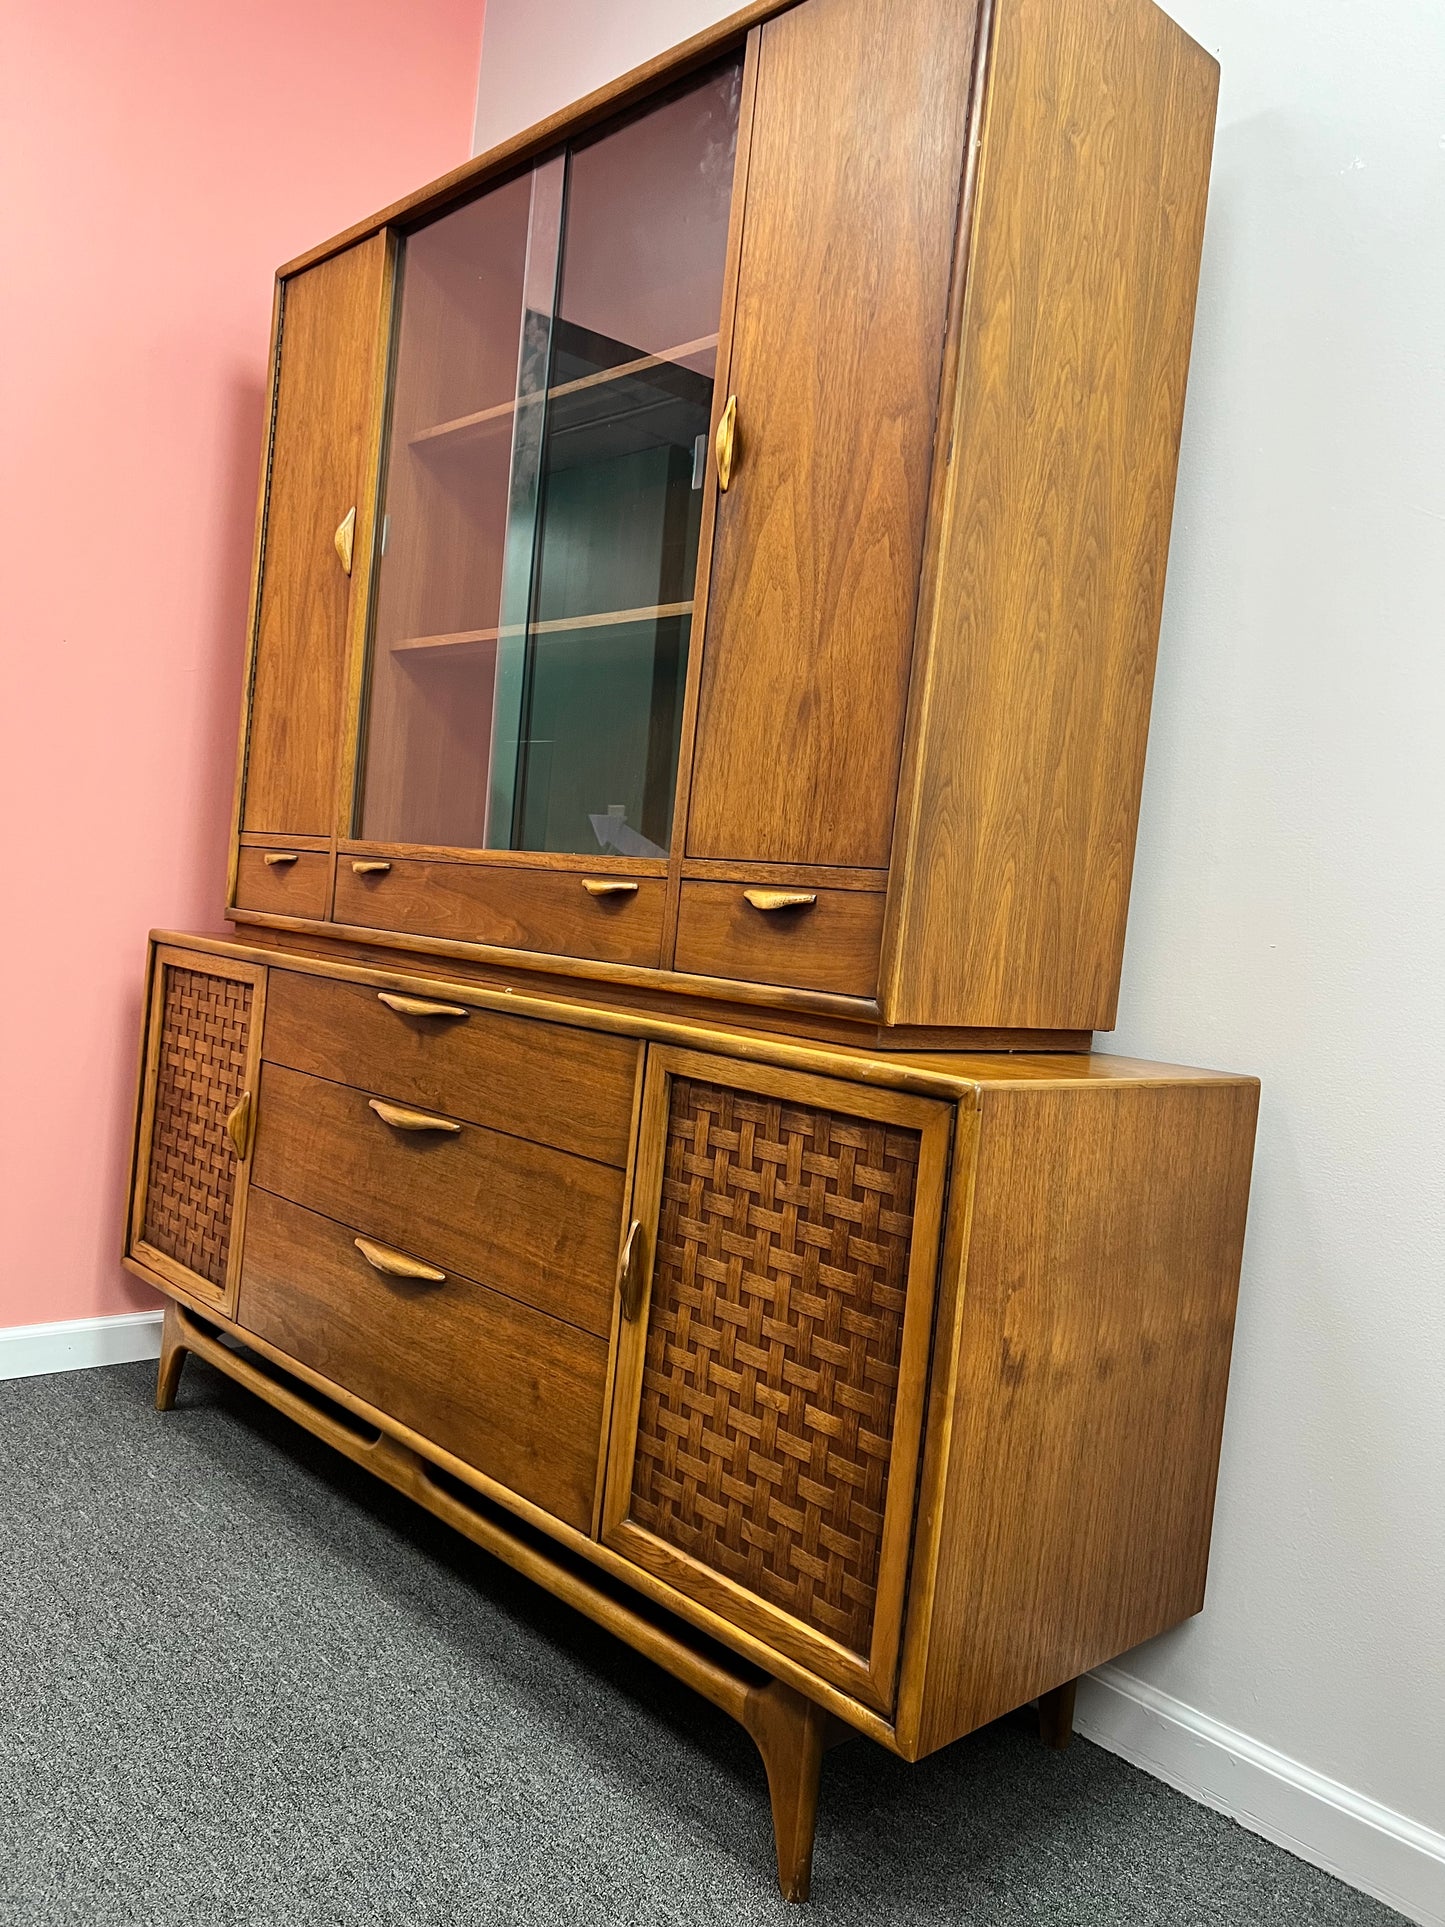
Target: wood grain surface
[(1069, 1484), (511, 905), (514, 1393), (1030, 709), (326, 394), (572, 1089), (299, 889), (828, 945), (853, 183), (525, 1219)]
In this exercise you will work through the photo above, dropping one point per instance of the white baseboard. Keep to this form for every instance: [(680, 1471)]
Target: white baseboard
[(1369, 1846), (26, 1350)]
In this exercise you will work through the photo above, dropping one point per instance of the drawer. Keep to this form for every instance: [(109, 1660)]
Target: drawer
[(572, 1089), (294, 883), (527, 1220), (829, 944), (507, 904), (513, 1393)]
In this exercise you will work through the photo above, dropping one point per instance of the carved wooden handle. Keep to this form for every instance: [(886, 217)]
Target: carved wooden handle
[(609, 887), (238, 1126), (396, 1264), (629, 1274), (781, 899), (418, 1006), (367, 866), (344, 537), (278, 859), (725, 441), (401, 1119)]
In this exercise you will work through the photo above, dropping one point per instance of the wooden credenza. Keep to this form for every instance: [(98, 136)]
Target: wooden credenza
[(708, 577), (875, 1386)]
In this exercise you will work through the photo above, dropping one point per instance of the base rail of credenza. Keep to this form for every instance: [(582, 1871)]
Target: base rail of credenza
[(790, 1731)]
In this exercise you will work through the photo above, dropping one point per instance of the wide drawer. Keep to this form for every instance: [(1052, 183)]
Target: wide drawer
[(525, 1219), (741, 930), (551, 911), (284, 883), (568, 1088), (513, 1393)]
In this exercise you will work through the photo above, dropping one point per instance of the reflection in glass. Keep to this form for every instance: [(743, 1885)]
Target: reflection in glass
[(554, 366)]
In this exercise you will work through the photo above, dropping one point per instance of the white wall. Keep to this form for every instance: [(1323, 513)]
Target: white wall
[(1287, 912)]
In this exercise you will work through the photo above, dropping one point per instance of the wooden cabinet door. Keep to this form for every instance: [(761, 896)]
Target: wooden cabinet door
[(774, 1352), (328, 374), (193, 1150), (854, 175)]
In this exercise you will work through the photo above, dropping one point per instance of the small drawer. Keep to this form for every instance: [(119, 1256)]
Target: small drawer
[(517, 908), (284, 883), (509, 1391), (529, 1221), (569, 1088), (740, 930)]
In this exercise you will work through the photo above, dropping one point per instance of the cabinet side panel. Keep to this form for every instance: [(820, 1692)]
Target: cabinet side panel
[(848, 231), (326, 395), (1030, 708), (1098, 1312)]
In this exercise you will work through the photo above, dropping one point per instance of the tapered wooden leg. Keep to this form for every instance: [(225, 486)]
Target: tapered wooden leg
[(173, 1357), (790, 1732), (1056, 1715)]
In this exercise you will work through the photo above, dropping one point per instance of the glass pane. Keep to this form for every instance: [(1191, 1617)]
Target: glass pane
[(548, 444)]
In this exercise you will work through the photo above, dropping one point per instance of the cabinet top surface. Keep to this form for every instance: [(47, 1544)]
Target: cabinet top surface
[(938, 1073)]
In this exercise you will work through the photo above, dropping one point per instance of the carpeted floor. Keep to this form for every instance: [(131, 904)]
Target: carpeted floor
[(243, 1683)]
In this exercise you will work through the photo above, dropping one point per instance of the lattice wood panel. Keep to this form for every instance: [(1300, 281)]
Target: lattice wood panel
[(771, 1366), (205, 1030)]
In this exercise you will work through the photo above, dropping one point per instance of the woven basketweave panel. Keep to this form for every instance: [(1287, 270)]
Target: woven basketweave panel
[(205, 1029), (771, 1370)]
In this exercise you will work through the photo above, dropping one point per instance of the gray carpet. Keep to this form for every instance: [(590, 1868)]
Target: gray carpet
[(245, 1684)]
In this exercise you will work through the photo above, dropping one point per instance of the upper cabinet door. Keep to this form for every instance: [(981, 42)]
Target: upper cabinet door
[(545, 483), (317, 515), (854, 175)]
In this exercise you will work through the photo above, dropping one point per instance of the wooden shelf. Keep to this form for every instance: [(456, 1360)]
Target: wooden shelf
[(485, 421), (465, 640)]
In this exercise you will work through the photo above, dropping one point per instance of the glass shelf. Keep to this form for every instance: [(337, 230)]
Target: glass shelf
[(552, 389)]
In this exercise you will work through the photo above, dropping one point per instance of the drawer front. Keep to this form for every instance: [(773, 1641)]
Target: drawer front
[(519, 909), (525, 1219), (829, 944), (513, 1393), (296, 883), (572, 1089)]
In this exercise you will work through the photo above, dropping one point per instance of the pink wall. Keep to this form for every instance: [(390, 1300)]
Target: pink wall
[(159, 161)]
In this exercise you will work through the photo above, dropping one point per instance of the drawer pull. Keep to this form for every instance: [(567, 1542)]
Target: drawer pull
[(724, 445), (238, 1126), (370, 867), (781, 899), (418, 1006), (278, 859), (345, 539), (609, 887), (629, 1274), (396, 1264), (401, 1119)]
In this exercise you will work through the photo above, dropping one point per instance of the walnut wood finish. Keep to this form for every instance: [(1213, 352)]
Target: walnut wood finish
[(288, 883), (1056, 1715), (1020, 794), (767, 1407), (520, 1217), (326, 391), (853, 180), (510, 905), (565, 1087), (830, 943), (1077, 1408), (514, 1393), (790, 1732)]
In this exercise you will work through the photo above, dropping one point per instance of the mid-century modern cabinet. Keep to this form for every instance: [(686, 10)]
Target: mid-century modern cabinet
[(708, 575)]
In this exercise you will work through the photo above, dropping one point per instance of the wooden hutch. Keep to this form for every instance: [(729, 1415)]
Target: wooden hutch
[(708, 576)]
